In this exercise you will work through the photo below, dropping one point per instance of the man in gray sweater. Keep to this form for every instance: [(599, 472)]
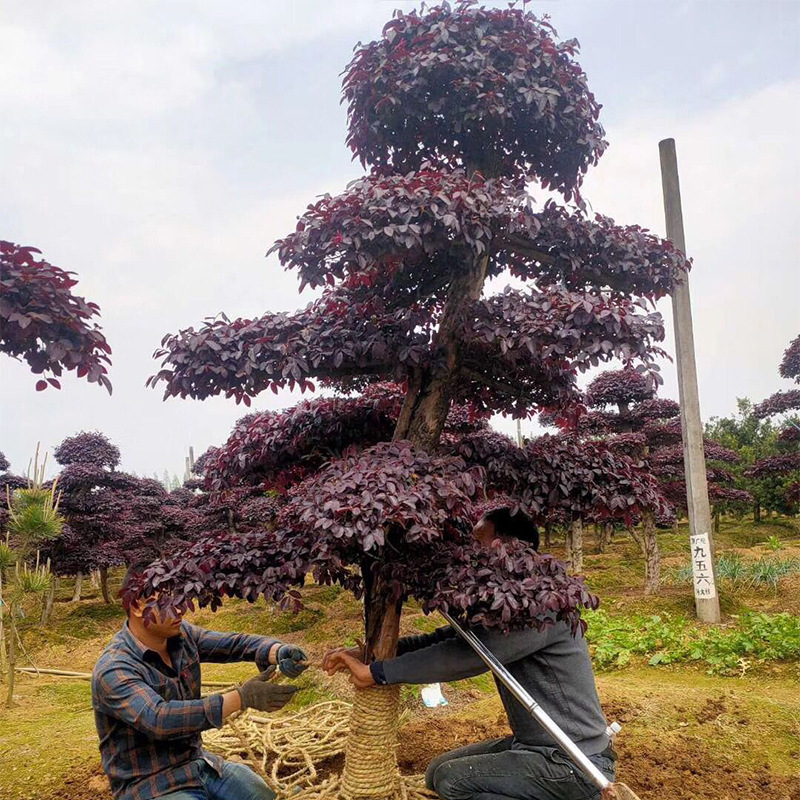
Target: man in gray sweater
[(554, 667)]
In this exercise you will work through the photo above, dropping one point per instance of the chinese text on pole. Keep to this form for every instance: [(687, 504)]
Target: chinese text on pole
[(702, 570)]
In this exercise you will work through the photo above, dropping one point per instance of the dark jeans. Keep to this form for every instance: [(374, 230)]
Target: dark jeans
[(237, 782), (493, 771)]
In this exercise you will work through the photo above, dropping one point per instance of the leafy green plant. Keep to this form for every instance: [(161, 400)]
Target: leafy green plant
[(727, 650), (773, 543)]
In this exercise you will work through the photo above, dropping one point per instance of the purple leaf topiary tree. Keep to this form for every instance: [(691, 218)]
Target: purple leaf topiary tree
[(626, 414), (785, 466), (454, 110), (44, 323)]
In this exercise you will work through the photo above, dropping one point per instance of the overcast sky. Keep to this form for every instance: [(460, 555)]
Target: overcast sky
[(159, 148)]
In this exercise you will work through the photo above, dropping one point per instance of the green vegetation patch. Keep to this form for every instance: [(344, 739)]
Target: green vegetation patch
[(767, 571), (663, 639)]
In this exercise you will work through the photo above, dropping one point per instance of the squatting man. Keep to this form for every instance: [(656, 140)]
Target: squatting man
[(552, 665), (149, 713)]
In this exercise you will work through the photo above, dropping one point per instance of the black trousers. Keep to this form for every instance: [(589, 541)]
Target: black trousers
[(494, 771)]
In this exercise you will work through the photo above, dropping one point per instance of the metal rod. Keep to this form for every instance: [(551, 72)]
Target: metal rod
[(577, 756)]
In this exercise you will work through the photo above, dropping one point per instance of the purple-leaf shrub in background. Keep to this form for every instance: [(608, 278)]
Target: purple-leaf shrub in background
[(45, 324)]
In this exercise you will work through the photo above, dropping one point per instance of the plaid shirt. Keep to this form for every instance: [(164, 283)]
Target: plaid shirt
[(149, 716)]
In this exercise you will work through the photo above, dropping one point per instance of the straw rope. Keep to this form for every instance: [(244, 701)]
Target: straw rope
[(287, 749), (370, 768)]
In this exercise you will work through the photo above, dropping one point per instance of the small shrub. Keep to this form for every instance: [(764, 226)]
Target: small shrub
[(773, 543)]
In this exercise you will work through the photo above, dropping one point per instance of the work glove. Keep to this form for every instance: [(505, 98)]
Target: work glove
[(262, 695), (291, 660)]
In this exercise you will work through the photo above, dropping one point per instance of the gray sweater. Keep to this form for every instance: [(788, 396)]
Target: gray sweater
[(553, 665)]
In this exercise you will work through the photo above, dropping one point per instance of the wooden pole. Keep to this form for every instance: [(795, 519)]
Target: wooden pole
[(694, 461)]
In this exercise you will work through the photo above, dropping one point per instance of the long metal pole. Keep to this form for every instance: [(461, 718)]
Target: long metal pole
[(694, 462), (577, 756)]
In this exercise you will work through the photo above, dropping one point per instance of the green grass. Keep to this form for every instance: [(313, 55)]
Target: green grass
[(767, 571)]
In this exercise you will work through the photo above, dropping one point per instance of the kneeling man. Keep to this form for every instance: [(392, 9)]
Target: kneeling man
[(149, 714), (553, 666)]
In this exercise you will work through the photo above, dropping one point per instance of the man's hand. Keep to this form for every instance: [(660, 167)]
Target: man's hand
[(262, 695), (354, 652), (339, 660), (291, 660)]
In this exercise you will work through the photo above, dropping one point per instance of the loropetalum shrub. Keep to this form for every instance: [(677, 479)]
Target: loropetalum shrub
[(653, 424), (4, 463), (492, 80), (45, 324), (403, 255), (785, 462), (619, 388), (785, 466), (790, 364), (91, 449), (113, 517), (274, 450), (778, 403)]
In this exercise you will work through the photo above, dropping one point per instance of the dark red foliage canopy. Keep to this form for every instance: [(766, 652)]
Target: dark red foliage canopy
[(477, 87), (275, 450), (619, 388), (92, 449), (790, 365), (394, 508), (778, 403), (561, 476), (407, 233), (4, 463), (775, 465), (534, 341), (44, 323)]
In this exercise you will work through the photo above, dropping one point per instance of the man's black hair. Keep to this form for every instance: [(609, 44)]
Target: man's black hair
[(133, 572), (517, 524)]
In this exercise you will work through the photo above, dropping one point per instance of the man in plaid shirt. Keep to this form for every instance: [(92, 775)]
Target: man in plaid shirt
[(149, 714)]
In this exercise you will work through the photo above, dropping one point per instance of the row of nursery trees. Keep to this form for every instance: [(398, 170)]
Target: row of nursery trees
[(116, 518), (455, 112)]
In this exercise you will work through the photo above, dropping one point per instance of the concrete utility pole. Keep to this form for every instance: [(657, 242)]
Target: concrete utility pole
[(694, 461)]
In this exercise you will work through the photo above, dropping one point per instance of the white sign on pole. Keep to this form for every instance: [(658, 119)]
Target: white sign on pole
[(702, 569)]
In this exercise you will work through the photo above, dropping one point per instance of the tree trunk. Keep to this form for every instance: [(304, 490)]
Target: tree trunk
[(675, 528), (602, 532), (94, 578), (648, 544), (76, 595), (104, 585), (2, 630), (548, 530), (652, 556), (716, 520), (47, 608), (575, 546), (757, 512), (12, 656), (428, 398), (370, 766)]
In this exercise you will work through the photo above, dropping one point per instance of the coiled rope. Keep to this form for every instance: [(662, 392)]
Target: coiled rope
[(288, 749)]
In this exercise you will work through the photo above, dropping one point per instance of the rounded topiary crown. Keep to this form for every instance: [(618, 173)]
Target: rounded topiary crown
[(489, 89)]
